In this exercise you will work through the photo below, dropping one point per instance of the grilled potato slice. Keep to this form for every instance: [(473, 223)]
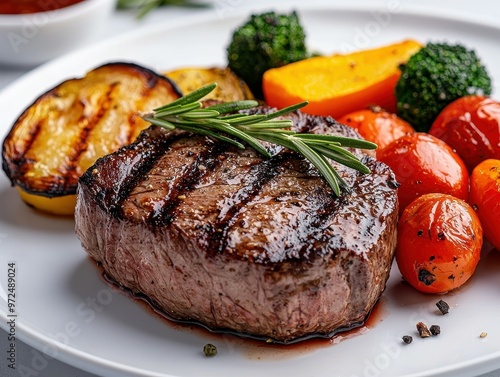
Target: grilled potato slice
[(229, 86), (69, 127)]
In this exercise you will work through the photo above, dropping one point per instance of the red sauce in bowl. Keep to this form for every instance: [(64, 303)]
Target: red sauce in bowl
[(33, 6)]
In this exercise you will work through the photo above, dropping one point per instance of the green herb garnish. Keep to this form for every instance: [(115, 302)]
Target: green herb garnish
[(222, 123), (145, 6)]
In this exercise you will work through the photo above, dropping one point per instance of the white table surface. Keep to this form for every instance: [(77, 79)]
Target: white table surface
[(123, 22)]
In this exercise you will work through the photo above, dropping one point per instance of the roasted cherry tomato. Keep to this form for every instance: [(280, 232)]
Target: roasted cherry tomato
[(471, 126), (439, 243), (485, 198), (377, 125), (424, 164)]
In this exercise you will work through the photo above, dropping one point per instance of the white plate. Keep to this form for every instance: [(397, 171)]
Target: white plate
[(66, 310)]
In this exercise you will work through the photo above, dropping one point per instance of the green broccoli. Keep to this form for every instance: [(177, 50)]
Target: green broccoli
[(265, 41), (435, 76)]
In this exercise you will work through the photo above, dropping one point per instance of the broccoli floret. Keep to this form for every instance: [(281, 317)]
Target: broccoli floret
[(265, 41), (435, 76)]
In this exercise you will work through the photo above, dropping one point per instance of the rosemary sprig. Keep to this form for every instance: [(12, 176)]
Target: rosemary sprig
[(221, 122), (143, 7)]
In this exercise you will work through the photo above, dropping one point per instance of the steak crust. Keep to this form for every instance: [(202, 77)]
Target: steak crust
[(224, 237)]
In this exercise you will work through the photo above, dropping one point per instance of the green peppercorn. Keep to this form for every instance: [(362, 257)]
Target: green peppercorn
[(209, 350)]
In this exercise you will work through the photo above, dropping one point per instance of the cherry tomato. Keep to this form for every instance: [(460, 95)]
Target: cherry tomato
[(439, 243), (378, 126), (424, 164), (485, 198), (471, 126)]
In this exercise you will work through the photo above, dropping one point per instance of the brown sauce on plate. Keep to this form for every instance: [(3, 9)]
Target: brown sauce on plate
[(33, 6)]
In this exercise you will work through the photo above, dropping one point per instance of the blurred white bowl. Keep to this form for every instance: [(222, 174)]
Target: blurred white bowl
[(31, 39)]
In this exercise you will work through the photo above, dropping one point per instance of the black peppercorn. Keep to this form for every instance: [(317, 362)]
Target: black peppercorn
[(435, 330), (443, 307), (407, 339)]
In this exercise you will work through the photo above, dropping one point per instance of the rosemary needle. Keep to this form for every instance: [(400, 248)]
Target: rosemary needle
[(143, 7), (222, 123)]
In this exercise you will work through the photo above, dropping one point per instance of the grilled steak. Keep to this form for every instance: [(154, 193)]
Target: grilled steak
[(225, 237)]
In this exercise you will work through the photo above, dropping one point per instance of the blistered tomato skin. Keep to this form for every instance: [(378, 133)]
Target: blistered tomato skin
[(378, 126), (439, 243), (425, 164), (485, 198), (471, 126)]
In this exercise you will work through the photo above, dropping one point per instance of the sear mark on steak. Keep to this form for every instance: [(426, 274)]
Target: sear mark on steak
[(222, 236)]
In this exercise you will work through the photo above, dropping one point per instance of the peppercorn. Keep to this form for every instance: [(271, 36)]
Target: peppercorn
[(423, 331), (209, 350), (443, 307), (435, 330), (407, 339)]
